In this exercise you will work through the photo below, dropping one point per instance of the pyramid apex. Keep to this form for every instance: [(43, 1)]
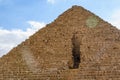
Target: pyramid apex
[(76, 6)]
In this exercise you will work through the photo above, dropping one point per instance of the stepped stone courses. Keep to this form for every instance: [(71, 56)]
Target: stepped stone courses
[(78, 45)]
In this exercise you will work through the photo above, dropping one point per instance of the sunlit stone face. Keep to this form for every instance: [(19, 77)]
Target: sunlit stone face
[(92, 21)]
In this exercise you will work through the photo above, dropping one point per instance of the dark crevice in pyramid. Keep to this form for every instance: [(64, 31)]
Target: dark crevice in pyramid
[(75, 52), (48, 54)]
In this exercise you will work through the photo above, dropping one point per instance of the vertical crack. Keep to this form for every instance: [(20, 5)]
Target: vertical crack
[(75, 52)]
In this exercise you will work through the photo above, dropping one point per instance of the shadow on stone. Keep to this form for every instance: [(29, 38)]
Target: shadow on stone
[(75, 52)]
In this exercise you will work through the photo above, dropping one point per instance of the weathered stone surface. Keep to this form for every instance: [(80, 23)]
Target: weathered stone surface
[(77, 37)]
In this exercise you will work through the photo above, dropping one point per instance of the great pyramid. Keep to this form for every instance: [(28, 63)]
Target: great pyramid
[(78, 45)]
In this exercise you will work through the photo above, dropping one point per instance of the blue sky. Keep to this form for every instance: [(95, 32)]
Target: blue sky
[(21, 18)]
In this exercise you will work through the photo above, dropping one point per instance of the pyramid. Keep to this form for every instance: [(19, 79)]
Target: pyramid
[(78, 45)]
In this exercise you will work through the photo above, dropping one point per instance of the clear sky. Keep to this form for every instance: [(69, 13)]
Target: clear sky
[(21, 18)]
